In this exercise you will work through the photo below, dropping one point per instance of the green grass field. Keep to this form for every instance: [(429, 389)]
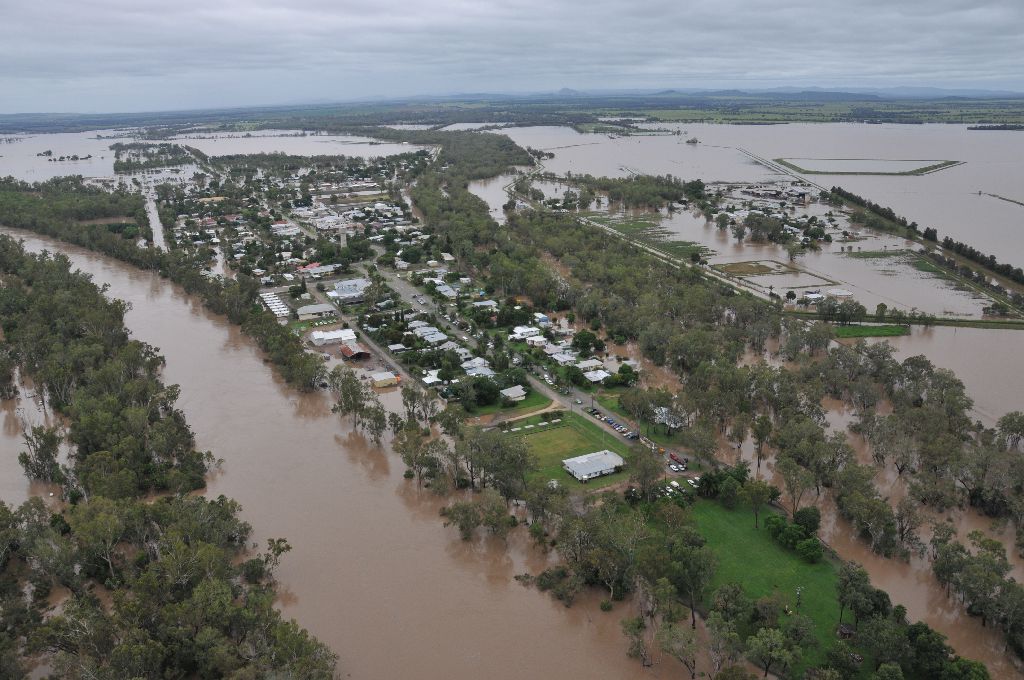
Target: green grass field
[(749, 556), (874, 254), (745, 268), (574, 436), (534, 401), (882, 331)]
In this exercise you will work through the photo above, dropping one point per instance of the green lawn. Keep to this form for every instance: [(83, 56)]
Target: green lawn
[(875, 254), (574, 436), (881, 331), (534, 401), (750, 556)]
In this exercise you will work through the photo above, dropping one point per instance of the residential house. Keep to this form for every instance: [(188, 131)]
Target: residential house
[(318, 311), (516, 393), (351, 290)]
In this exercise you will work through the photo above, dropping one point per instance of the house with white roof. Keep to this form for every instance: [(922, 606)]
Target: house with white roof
[(341, 335), (514, 394), (592, 465), (523, 332)]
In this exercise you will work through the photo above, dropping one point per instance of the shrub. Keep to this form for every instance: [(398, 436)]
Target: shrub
[(606, 606), (253, 570), (810, 550), (774, 524), (550, 578), (791, 535), (809, 518), (729, 493)]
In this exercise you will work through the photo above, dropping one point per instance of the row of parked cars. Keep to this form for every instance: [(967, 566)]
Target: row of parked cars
[(618, 427)]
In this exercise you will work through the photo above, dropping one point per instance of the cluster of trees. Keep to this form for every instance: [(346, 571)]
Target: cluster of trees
[(678, 317), (643, 191), (760, 228), (358, 400), (875, 212), (979, 575), (898, 649), (56, 208), (464, 154), (800, 534), (323, 167), (1015, 274), (138, 156), (842, 312), (186, 600), (129, 437), (69, 200)]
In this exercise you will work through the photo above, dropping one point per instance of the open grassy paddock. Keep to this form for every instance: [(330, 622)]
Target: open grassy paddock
[(749, 556), (574, 436), (534, 401), (879, 331)]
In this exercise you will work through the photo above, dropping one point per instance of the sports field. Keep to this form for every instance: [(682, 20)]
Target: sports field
[(574, 436)]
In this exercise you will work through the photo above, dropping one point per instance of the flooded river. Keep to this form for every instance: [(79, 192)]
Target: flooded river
[(373, 572)]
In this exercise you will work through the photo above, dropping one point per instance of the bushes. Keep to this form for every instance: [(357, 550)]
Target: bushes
[(795, 537), (809, 518), (810, 550), (729, 493)]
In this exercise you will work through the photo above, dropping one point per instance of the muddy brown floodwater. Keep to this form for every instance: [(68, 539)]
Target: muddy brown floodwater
[(373, 572)]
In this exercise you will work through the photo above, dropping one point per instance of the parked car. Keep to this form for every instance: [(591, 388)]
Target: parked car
[(673, 467)]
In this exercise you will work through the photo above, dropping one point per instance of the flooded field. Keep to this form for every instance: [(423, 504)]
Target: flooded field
[(949, 200), (225, 144), (877, 268), (24, 159), (616, 156)]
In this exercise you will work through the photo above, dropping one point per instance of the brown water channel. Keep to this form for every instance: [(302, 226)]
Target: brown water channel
[(373, 572)]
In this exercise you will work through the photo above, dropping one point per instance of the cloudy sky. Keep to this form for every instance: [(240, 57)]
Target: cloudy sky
[(132, 55)]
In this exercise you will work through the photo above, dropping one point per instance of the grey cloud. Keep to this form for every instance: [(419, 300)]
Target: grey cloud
[(143, 54)]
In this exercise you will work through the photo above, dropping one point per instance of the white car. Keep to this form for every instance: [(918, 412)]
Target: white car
[(673, 467)]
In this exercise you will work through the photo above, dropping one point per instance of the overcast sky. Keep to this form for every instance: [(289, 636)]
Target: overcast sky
[(132, 55)]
